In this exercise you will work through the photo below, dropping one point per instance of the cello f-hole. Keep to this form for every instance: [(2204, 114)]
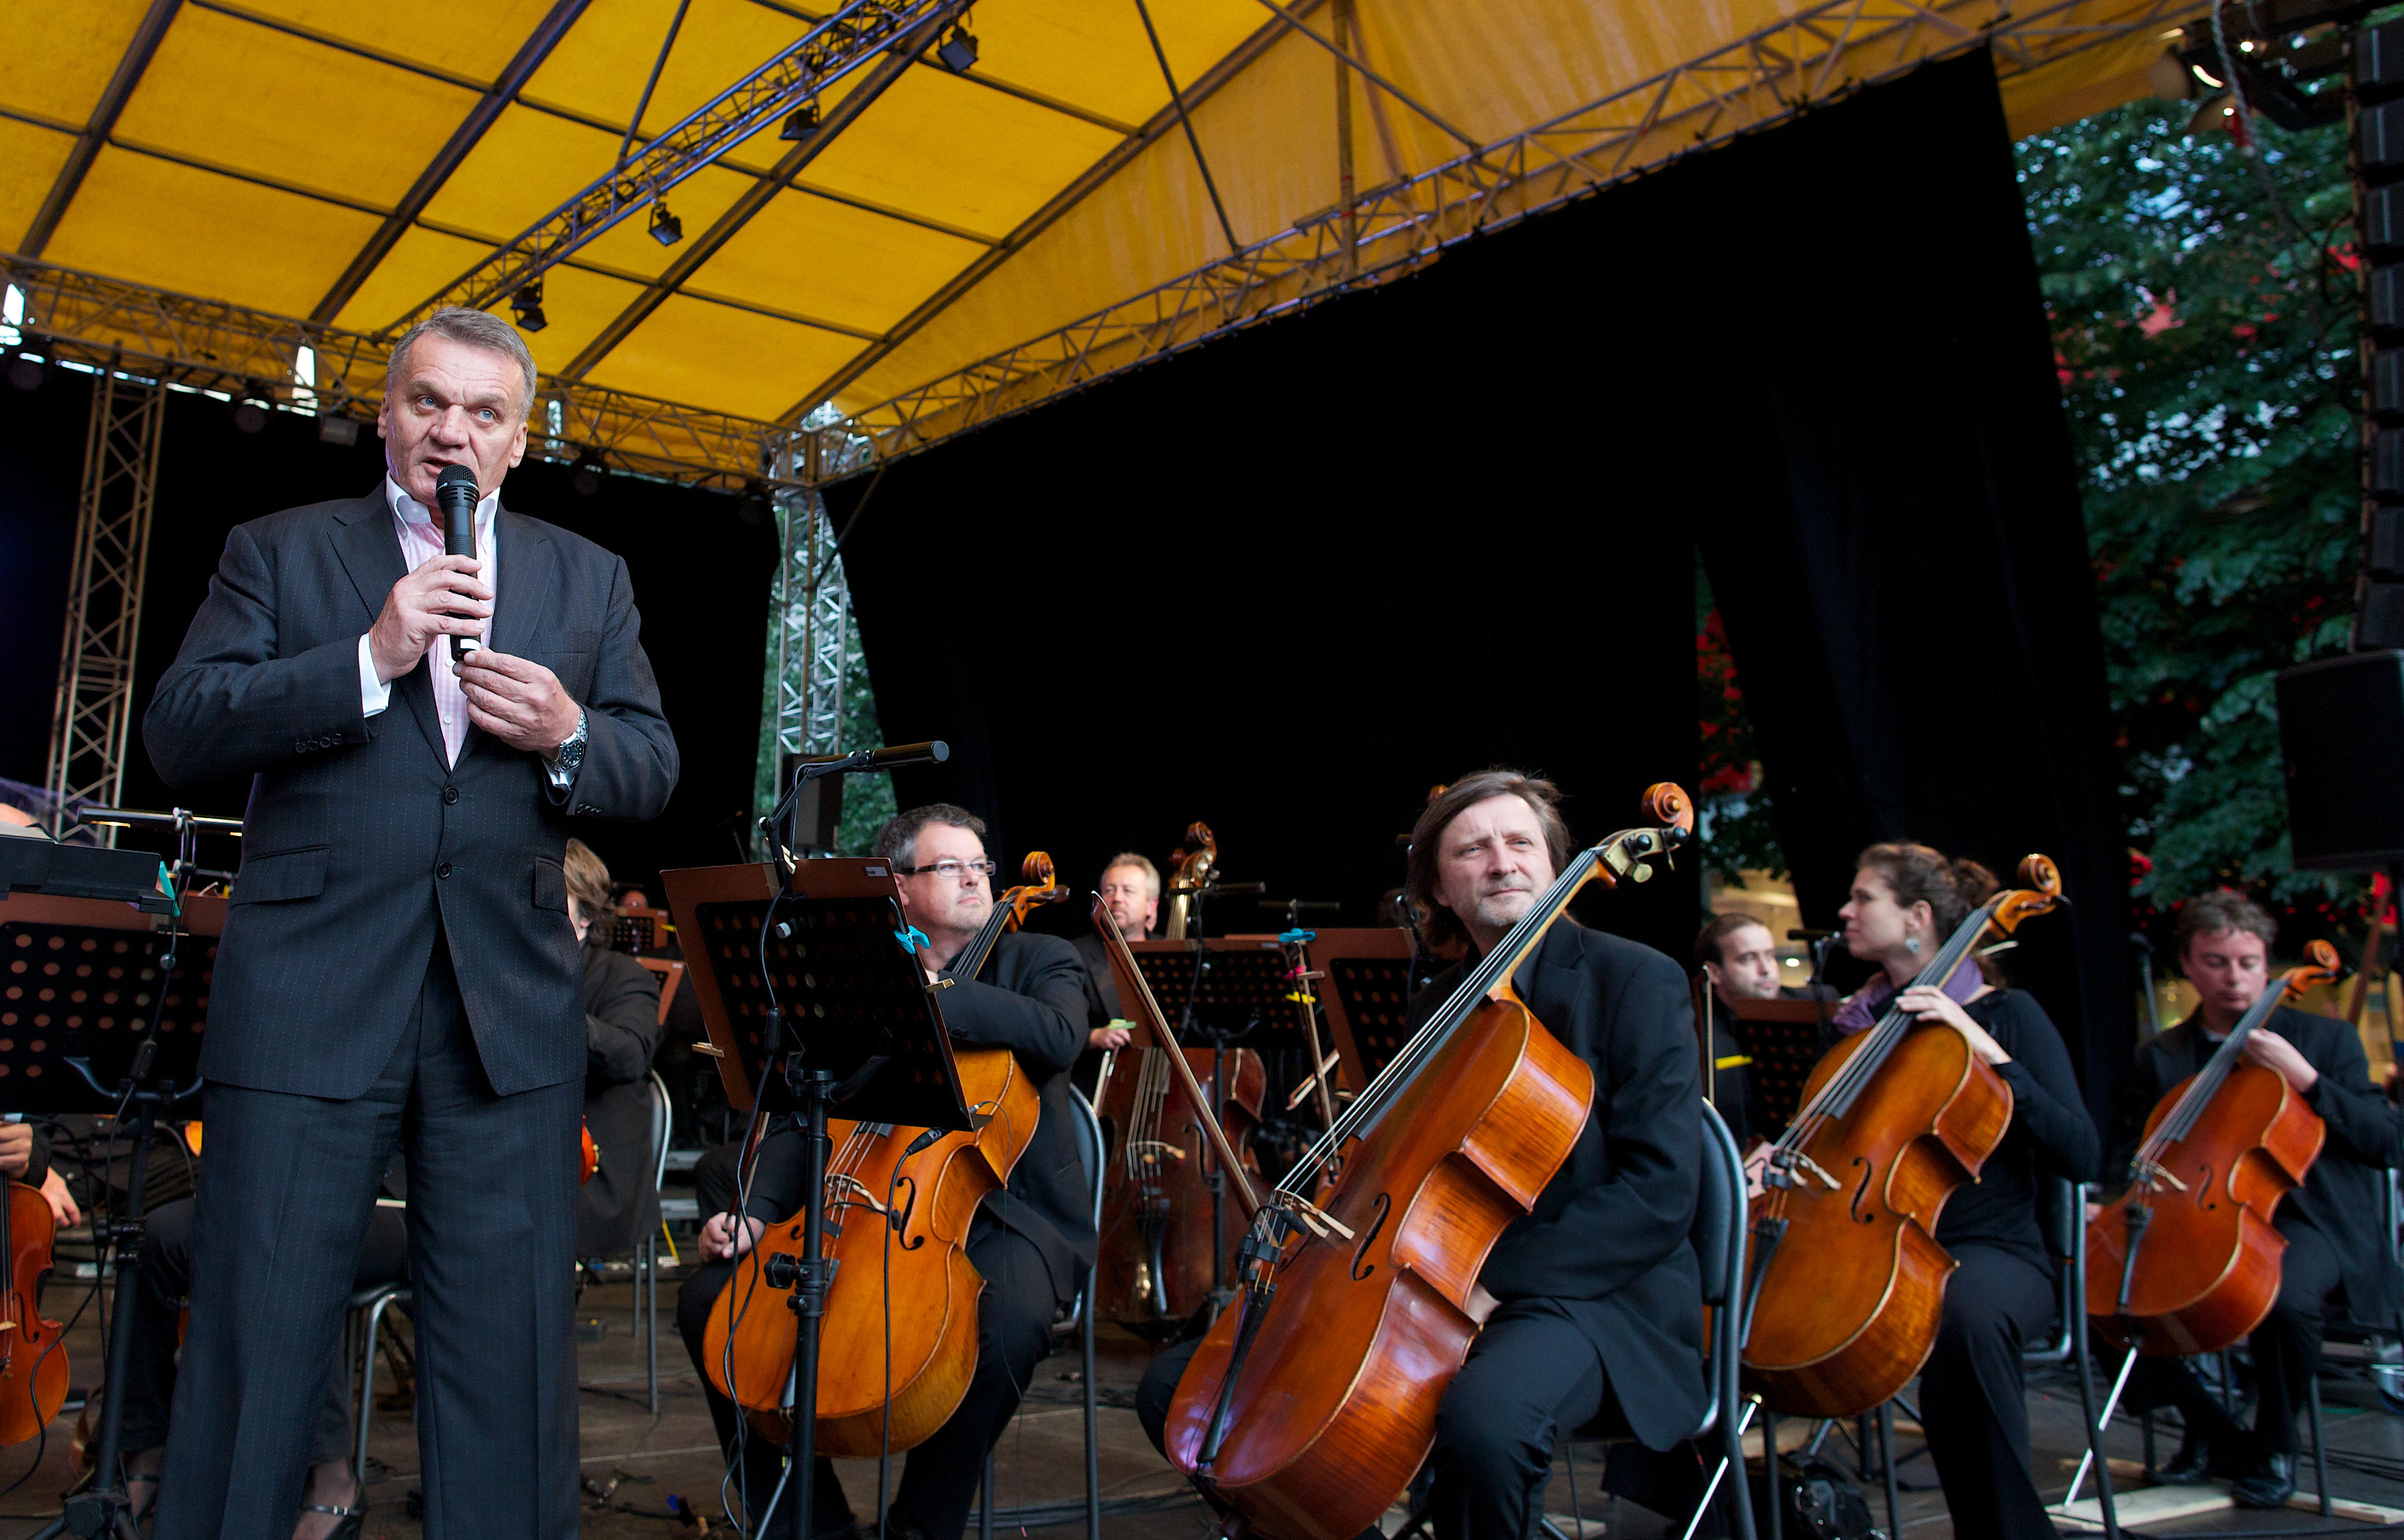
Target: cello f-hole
[(903, 1204), (1361, 1266), (1862, 1190), (2204, 1188)]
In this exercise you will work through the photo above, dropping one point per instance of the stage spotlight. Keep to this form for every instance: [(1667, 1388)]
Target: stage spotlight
[(249, 416), (25, 372), (754, 506), (800, 122), (585, 475), (666, 228), (527, 304), (335, 428), (958, 50)]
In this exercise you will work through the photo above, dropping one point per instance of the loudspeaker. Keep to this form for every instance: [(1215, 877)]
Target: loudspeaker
[(2341, 733)]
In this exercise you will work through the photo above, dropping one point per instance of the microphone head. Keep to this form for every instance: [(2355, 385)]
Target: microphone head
[(457, 481), (939, 751)]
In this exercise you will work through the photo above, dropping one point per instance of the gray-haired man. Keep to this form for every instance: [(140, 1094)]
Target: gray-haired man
[(398, 970)]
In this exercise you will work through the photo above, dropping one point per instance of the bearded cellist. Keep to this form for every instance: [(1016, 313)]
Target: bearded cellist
[(2331, 1223), (1588, 1304)]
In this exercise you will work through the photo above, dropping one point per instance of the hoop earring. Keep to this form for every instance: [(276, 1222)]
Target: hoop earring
[(1912, 945)]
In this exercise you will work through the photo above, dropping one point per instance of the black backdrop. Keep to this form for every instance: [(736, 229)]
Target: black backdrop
[(1287, 582), (701, 581)]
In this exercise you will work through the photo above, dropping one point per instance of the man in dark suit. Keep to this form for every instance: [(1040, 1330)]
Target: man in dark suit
[(1590, 1303), (398, 969), (1130, 889), (1032, 1242), (2332, 1223), (619, 1204)]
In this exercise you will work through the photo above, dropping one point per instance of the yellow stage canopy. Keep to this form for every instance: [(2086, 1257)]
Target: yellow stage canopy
[(968, 242)]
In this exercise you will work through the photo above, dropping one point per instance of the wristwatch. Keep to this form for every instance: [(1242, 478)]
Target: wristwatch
[(571, 754)]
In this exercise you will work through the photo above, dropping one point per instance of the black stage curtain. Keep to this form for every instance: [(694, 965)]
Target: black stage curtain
[(1287, 581), (701, 581)]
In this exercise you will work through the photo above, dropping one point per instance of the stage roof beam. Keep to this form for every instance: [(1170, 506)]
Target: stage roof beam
[(470, 131), (101, 123), (899, 56)]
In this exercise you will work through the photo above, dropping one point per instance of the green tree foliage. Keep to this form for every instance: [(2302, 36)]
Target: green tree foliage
[(2202, 304)]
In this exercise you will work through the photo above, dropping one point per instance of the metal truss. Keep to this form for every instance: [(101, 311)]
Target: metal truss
[(825, 54), (813, 622), (1824, 52), (93, 715), (110, 324)]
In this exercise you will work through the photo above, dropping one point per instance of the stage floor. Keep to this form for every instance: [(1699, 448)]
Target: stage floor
[(638, 1461)]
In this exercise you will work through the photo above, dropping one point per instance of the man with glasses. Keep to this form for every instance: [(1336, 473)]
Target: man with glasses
[(1032, 1242)]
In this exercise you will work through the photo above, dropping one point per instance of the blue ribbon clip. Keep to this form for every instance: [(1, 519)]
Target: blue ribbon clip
[(912, 939), (1296, 938)]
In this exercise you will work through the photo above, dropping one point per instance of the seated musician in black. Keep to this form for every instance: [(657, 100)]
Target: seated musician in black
[(1907, 900), (2331, 1223), (1589, 1304), (1739, 958), (619, 1203), (1032, 1243)]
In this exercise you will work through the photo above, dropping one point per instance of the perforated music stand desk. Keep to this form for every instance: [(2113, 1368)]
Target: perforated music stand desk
[(1240, 998), (847, 990), (78, 979), (1785, 1040), (1365, 986)]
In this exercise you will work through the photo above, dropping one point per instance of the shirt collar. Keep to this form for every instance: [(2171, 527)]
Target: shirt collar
[(408, 509)]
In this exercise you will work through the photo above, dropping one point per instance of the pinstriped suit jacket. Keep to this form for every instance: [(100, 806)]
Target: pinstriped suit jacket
[(358, 836)]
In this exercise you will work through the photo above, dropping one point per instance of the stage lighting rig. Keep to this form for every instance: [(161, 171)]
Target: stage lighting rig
[(526, 304), (800, 122), (338, 430), (585, 475), (957, 50), (666, 228)]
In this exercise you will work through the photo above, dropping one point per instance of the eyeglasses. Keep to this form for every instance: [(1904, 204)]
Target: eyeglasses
[(950, 871)]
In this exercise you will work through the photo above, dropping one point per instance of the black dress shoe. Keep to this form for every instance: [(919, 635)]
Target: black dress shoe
[(2190, 1467), (2269, 1486)]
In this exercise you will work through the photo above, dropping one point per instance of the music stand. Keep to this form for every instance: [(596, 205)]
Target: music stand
[(813, 1007), (102, 1007), (1785, 1040), (1367, 994)]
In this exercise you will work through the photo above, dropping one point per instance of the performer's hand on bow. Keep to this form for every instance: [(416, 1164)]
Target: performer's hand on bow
[(721, 1239), (517, 702), (1113, 1036), (16, 1148), (444, 597)]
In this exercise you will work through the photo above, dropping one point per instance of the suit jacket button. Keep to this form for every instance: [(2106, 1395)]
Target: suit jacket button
[(443, 870), (450, 794)]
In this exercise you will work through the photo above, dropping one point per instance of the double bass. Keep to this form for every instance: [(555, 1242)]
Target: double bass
[(2187, 1261), (897, 1229), (1852, 1280), (1158, 1257), (1312, 1402)]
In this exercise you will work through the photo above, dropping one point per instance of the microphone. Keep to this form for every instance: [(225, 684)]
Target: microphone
[(455, 495), (933, 752)]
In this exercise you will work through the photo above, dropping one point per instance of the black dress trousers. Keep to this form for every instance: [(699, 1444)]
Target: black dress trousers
[(287, 1187), (1972, 1396)]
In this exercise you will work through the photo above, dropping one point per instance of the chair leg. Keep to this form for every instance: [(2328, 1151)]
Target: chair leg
[(1093, 1426), (2320, 1452), (2081, 1347), (1769, 1466), (1577, 1510), (366, 1403), (1886, 1467), (647, 1291), (985, 1501), (2145, 1427), (1740, 1498)]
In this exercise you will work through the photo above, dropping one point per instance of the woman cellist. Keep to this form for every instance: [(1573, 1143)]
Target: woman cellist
[(1905, 900), (1587, 1303)]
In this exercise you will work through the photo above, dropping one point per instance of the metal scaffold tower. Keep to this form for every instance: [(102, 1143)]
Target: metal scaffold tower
[(93, 715), (813, 628)]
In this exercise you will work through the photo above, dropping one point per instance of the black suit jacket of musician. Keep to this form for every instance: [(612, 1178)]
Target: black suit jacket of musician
[(619, 1205), (2342, 1195), (1608, 1245), (360, 844), (1030, 998)]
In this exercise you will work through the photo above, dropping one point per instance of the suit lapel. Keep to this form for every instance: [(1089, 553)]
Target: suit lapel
[(370, 551)]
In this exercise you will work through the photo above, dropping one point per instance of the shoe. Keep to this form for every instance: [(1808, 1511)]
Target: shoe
[(2190, 1467), (353, 1521), (2269, 1486)]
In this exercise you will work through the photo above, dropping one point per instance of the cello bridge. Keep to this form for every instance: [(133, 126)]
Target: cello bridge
[(1317, 1220), (1816, 1169), (850, 1192), (1154, 1148), (2152, 1172)]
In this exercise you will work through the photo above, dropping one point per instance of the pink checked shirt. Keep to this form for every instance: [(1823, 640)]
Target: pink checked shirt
[(421, 542)]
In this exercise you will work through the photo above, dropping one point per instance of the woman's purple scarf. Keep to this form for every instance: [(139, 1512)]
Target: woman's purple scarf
[(1869, 1002)]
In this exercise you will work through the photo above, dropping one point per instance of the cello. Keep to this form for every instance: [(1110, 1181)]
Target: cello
[(905, 1246), (1158, 1259), (1312, 1403), (33, 1364), (2187, 1261), (1850, 1280)]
